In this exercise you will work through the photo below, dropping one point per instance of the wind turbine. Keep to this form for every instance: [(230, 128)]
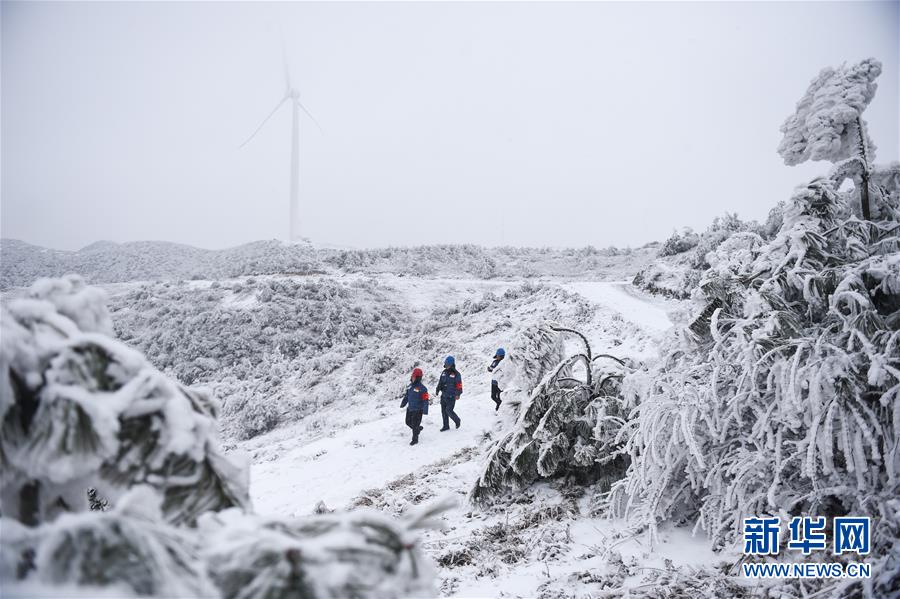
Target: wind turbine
[(293, 94)]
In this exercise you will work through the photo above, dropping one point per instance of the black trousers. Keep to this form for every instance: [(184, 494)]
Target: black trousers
[(447, 413), (495, 391), (413, 421)]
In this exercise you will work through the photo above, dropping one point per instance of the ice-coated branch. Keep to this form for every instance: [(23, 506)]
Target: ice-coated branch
[(587, 345), (564, 428)]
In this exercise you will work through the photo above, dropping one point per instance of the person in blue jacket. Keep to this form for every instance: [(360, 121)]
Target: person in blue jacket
[(449, 388), (415, 400)]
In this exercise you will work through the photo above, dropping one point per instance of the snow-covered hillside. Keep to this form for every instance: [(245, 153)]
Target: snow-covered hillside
[(309, 368), (276, 349), (355, 451), (107, 262)]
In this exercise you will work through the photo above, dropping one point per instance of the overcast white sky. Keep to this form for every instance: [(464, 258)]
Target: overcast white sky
[(509, 123)]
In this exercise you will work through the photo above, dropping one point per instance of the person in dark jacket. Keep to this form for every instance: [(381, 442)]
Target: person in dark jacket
[(449, 388), (415, 400)]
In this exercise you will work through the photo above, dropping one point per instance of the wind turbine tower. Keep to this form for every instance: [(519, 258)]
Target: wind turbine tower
[(291, 94)]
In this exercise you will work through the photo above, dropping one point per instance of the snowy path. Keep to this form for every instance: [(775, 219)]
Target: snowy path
[(618, 297), (336, 469), (366, 456)]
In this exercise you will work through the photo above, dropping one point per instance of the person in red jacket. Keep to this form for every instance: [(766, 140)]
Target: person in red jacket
[(415, 400)]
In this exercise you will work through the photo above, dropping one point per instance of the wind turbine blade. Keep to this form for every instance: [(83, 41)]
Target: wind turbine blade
[(265, 120), (309, 114), (287, 70)]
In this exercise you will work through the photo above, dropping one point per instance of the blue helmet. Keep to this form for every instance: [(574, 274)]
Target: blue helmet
[(500, 352), (449, 361)]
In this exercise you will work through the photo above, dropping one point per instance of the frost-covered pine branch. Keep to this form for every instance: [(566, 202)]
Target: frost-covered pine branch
[(108, 465), (360, 554), (567, 426)]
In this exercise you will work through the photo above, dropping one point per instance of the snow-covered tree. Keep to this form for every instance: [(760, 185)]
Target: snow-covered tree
[(828, 123), (534, 353), (108, 465), (568, 426), (783, 395)]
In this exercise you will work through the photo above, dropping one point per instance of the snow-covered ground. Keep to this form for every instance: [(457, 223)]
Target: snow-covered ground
[(337, 468), (340, 438), (544, 545), (648, 313)]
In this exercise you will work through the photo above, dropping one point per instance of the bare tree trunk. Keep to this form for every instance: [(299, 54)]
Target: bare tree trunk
[(29, 503), (864, 154), (29, 493)]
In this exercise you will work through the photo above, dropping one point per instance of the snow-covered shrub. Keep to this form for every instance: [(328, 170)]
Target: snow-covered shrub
[(418, 261), (678, 271), (668, 280), (628, 578), (255, 342), (679, 243), (130, 548), (783, 395), (80, 410), (533, 528), (85, 306), (257, 418), (83, 419), (231, 554), (774, 220), (361, 554), (568, 426)]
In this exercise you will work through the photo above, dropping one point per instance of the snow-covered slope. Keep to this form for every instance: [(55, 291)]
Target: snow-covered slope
[(107, 262), (309, 364), (276, 349), (355, 452)]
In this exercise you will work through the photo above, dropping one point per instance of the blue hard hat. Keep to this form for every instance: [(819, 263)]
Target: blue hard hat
[(500, 352), (449, 361)]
